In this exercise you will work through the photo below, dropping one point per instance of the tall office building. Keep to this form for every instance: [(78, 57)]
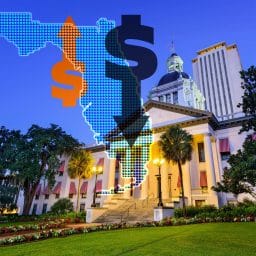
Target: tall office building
[(216, 72)]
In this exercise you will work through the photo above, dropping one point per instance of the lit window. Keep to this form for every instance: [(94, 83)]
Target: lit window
[(199, 203)]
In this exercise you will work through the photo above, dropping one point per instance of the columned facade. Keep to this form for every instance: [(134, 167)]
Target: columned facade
[(213, 199), (203, 171)]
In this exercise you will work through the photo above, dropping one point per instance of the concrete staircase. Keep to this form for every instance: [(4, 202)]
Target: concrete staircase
[(128, 210)]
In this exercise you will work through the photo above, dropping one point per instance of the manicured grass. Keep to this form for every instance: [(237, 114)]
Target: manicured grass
[(200, 239)]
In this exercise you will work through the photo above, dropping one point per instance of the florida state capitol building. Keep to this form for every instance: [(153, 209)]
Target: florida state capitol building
[(204, 107)]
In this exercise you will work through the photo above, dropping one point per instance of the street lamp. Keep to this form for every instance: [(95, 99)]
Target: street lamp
[(158, 162), (96, 170)]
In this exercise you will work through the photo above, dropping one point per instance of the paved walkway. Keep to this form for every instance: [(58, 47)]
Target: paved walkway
[(82, 225)]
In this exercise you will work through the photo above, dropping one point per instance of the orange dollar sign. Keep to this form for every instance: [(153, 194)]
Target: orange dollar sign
[(69, 32), (59, 74)]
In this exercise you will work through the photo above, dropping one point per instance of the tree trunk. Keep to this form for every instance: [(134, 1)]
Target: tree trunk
[(17, 196), (182, 189), (29, 194), (78, 195)]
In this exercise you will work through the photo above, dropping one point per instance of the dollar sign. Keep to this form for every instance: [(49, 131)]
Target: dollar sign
[(69, 32), (133, 119)]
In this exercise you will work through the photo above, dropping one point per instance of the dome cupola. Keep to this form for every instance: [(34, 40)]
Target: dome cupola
[(174, 63)]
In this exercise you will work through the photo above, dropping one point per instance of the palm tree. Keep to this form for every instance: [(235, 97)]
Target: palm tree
[(80, 166), (176, 145)]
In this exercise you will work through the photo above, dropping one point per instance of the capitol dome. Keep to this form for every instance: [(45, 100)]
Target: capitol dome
[(175, 70), (171, 77)]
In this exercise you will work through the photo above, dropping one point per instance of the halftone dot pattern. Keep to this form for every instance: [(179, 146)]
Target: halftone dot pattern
[(134, 158), (27, 35), (103, 98)]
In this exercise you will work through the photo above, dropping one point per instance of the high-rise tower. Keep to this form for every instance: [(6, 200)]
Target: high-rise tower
[(216, 72)]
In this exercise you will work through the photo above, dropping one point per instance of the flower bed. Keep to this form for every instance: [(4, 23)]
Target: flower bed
[(31, 227), (45, 234)]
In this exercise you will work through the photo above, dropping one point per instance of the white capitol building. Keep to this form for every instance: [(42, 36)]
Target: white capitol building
[(176, 99)]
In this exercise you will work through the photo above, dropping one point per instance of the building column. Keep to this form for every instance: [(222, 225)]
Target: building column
[(127, 177), (211, 179), (216, 161), (187, 181), (144, 184), (144, 188), (109, 175), (164, 180)]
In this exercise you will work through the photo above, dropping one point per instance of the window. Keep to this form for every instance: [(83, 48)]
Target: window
[(44, 208), (57, 196), (199, 203), (46, 196), (34, 209), (201, 154), (120, 156), (168, 98), (83, 195), (60, 173), (70, 196), (225, 156), (37, 197), (203, 181), (82, 207), (175, 97), (161, 98), (224, 148)]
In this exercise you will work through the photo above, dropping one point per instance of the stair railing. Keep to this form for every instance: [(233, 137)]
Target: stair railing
[(127, 211), (146, 200)]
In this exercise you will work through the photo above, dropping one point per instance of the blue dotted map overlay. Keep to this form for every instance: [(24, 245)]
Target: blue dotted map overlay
[(103, 98)]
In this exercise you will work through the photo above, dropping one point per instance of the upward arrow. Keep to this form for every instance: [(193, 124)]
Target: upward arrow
[(69, 33)]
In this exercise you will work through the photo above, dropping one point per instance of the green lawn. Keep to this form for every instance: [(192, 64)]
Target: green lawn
[(228, 239)]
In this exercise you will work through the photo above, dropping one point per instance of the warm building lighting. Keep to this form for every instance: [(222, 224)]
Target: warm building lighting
[(158, 161)]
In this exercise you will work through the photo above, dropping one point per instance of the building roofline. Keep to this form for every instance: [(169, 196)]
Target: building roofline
[(211, 47), (233, 122), (96, 148), (231, 46), (177, 108)]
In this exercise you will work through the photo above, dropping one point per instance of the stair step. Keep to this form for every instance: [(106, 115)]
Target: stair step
[(129, 210)]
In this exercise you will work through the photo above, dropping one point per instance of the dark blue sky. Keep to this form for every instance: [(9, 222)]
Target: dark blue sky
[(25, 96)]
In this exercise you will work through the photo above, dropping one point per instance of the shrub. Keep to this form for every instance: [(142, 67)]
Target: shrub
[(247, 202), (251, 211), (192, 211), (62, 206)]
